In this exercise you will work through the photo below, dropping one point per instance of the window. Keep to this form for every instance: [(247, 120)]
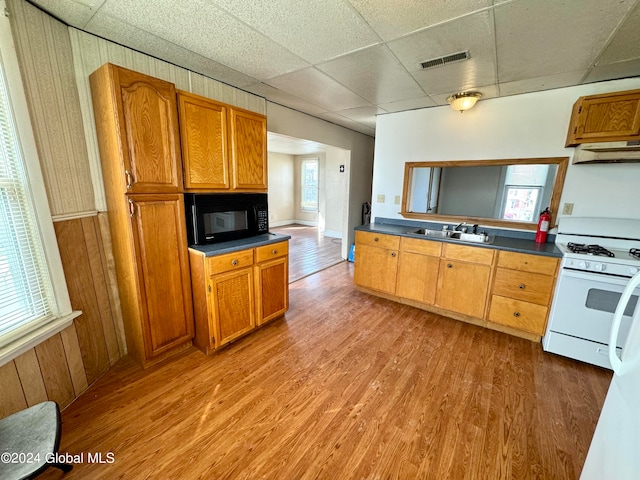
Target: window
[(309, 197), (34, 302)]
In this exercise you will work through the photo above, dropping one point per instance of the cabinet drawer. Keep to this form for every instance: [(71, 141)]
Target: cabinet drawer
[(416, 245), (468, 254), (390, 242), (269, 252), (230, 261), (529, 287), (517, 314), (528, 263)]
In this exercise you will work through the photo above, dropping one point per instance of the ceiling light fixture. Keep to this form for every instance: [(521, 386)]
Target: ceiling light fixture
[(463, 101)]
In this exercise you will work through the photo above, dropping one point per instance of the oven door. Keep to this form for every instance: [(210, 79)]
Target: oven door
[(584, 304)]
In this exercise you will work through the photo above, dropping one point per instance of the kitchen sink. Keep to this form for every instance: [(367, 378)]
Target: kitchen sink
[(453, 235)]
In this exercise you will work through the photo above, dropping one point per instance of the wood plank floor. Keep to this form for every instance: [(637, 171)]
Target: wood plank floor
[(308, 252), (347, 386)]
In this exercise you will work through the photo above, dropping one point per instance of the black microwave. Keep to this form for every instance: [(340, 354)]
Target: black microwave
[(220, 217)]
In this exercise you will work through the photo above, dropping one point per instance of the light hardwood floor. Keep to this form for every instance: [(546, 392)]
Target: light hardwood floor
[(348, 386), (308, 252)]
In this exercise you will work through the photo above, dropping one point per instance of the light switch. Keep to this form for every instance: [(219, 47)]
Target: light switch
[(380, 198), (396, 200)]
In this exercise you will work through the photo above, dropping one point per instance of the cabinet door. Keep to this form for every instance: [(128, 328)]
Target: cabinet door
[(148, 118), (272, 289), (462, 287), (417, 277), (203, 133), (376, 268), (163, 270), (609, 117), (231, 305), (248, 150)]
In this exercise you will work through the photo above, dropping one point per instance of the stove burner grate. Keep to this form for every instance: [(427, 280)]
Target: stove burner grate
[(589, 249), (635, 252)]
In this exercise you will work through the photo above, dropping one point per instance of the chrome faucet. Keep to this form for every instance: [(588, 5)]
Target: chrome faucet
[(458, 227)]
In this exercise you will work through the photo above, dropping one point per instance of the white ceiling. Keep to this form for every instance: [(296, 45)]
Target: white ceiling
[(346, 61)]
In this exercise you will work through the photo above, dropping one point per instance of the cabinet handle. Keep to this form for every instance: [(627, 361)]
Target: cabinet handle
[(376, 239), (127, 174), (393, 254), (449, 265), (516, 314), (234, 262), (132, 208), (521, 286), (274, 251)]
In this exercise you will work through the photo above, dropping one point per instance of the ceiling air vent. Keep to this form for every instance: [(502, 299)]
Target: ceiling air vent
[(440, 61)]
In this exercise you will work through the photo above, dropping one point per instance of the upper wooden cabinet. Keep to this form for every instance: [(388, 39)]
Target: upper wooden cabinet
[(609, 117), (147, 130), (223, 147), (203, 132)]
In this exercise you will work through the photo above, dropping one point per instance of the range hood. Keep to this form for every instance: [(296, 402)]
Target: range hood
[(608, 152)]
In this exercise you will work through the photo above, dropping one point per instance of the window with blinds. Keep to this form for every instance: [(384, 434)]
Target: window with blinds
[(26, 294)]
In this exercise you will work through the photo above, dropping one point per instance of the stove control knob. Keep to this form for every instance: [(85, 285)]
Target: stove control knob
[(599, 267), (583, 264), (633, 270)]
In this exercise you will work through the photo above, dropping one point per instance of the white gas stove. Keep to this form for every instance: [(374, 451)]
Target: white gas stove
[(600, 255)]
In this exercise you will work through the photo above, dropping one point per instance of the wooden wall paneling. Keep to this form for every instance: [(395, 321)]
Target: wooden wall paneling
[(11, 395), (44, 51), (91, 230), (31, 377), (77, 270), (55, 370), (112, 281), (74, 359)]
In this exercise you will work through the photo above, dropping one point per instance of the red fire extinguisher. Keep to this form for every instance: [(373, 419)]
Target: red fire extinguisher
[(543, 225)]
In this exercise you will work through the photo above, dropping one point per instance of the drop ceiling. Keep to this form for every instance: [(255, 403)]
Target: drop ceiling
[(346, 61)]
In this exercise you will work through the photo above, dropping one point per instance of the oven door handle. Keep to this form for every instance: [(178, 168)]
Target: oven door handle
[(616, 363), (602, 278)]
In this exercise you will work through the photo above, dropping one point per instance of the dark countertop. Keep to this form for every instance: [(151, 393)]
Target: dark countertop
[(242, 244), (512, 244)]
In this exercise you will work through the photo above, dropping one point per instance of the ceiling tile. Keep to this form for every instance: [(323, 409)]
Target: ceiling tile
[(316, 87), (333, 25), (283, 98), (120, 32), (473, 33), (625, 45), (76, 13), (394, 19), (541, 83), (364, 115), (411, 104), (564, 37), (209, 31), (375, 74), (627, 69)]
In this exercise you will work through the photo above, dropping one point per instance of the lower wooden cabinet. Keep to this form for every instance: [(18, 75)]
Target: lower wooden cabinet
[(522, 291), (235, 293), (463, 279), (502, 290), (376, 261)]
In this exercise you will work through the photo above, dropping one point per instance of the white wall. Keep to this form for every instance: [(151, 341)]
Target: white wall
[(334, 192), (520, 126), (281, 188)]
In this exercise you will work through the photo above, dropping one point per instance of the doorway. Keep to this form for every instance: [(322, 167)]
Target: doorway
[(308, 199)]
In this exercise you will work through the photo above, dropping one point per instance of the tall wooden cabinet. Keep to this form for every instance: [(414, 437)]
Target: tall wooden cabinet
[(224, 148), (137, 124)]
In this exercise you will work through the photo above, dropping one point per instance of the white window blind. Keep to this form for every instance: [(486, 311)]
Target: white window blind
[(26, 294)]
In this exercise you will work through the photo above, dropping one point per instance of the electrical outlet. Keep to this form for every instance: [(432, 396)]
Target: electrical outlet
[(567, 209), (380, 198), (396, 200)]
